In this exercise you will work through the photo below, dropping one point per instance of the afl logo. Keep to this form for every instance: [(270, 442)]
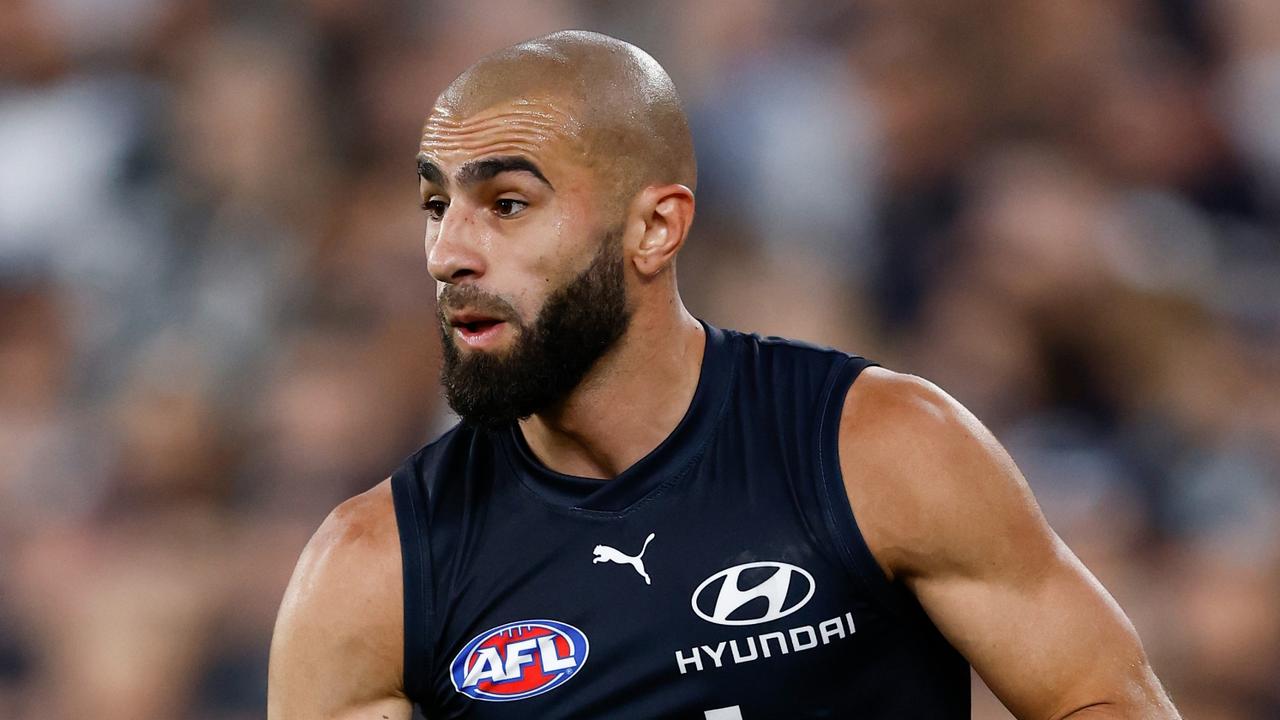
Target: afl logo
[(519, 660), (753, 593)]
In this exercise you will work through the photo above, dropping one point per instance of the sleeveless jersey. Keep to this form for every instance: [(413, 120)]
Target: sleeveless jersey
[(722, 576)]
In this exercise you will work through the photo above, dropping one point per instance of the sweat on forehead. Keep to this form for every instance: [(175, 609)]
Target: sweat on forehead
[(608, 95), (523, 126)]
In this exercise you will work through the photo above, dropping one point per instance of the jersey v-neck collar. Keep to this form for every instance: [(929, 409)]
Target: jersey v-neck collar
[(666, 463)]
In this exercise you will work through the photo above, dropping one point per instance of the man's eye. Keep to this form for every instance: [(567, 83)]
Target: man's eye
[(435, 209), (506, 207)]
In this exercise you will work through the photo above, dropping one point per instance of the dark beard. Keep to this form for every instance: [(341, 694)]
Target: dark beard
[(577, 325)]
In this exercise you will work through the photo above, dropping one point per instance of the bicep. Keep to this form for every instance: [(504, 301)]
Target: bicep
[(1038, 628), (956, 523), (336, 649), (314, 676)]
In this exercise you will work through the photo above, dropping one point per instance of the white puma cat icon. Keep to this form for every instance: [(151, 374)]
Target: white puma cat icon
[(604, 553)]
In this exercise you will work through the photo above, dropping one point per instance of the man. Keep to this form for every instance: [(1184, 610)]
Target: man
[(645, 516)]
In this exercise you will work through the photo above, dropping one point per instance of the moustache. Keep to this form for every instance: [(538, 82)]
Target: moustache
[(473, 299)]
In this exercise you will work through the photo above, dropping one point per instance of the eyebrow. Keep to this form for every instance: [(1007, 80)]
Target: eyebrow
[(478, 171), (428, 171)]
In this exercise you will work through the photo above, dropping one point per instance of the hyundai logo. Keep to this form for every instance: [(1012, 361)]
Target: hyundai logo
[(767, 596)]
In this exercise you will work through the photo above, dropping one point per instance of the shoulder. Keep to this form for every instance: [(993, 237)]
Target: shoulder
[(926, 480), (362, 528), (353, 559), (892, 411), (339, 632)]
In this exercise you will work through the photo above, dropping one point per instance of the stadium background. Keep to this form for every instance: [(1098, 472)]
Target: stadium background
[(216, 321)]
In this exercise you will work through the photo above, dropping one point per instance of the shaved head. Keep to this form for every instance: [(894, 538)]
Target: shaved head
[(610, 99), (557, 176)]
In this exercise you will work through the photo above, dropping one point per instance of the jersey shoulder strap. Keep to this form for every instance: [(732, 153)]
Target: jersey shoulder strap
[(415, 491), (798, 390)]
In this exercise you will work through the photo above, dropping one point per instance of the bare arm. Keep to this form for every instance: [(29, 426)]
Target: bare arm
[(337, 651), (944, 510)]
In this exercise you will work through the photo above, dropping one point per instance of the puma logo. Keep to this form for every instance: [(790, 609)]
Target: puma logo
[(604, 553)]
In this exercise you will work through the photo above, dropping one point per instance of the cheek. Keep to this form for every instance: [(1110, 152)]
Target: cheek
[(530, 300), (547, 254), (536, 288)]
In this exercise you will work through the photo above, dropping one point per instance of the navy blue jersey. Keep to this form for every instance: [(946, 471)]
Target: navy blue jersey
[(722, 576)]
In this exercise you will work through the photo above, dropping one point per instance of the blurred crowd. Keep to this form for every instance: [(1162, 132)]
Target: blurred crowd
[(216, 321)]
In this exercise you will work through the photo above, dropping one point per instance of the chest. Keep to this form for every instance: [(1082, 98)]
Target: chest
[(714, 592)]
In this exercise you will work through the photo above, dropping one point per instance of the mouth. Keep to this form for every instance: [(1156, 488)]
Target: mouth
[(475, 329)]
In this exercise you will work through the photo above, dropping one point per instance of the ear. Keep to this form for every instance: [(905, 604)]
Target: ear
[(663, 213)]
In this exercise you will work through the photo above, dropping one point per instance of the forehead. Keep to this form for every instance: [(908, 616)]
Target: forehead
[(540, 128)]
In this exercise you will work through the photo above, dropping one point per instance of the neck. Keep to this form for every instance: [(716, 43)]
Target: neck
[(630, 401)]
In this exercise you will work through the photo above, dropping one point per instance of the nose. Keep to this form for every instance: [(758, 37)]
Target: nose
[(453, 254)]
